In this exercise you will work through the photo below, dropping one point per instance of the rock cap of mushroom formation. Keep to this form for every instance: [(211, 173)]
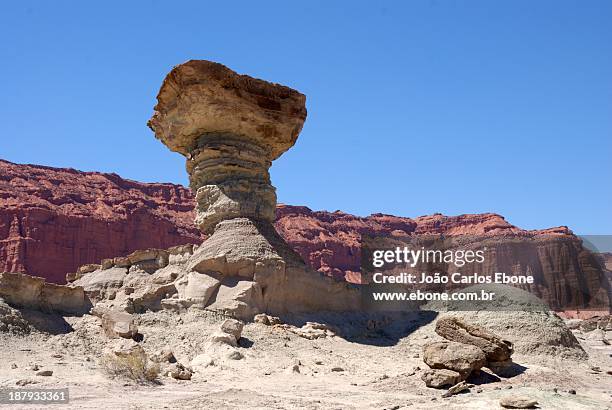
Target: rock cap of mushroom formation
[(203, 97)]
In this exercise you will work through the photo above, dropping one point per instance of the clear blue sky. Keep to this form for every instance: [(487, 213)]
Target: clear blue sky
[(415, 107)]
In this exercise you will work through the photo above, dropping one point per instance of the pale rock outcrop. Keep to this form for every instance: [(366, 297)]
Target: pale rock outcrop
[(32, 292), (197, 288), (102, 283)]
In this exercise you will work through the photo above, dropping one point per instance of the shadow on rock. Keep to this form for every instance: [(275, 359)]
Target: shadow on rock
[(375, 329), (51, 323), (506, 369)]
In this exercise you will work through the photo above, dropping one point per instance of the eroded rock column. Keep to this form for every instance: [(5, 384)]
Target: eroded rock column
[(230, 127)]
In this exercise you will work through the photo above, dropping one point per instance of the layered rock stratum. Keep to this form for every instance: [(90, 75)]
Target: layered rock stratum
[(53, 220)]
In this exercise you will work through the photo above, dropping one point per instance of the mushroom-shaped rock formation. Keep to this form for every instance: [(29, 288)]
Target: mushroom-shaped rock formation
[(230, 127)]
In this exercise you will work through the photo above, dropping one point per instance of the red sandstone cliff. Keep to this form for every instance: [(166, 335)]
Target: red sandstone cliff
[(54, 220)]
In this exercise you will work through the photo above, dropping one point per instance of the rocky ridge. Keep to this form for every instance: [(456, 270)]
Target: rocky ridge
[(54, 220)]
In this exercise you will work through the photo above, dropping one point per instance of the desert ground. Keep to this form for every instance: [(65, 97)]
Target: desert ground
[(378, 366)]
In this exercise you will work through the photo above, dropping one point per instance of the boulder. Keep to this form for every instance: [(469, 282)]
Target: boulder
[(518, 402), (241, 299), (116, 324), (222, 338), (455, 329), (197, 288), (532, 333), (459, 357), (232, 327), (438, 378)]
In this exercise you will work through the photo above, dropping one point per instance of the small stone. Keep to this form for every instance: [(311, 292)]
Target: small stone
[(45, 373), (571, 391), (13, 366), (518, 402), (318, 362), (25, 382), (508, 387), (262, 318), (457, 388), (337, 369), (232, 327), (56, 356), (179, 372), (34, 367)]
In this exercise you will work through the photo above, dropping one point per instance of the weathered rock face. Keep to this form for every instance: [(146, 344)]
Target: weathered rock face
[(230, 127)]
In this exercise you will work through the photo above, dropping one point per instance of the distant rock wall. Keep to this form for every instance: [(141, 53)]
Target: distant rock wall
[(54, 220)]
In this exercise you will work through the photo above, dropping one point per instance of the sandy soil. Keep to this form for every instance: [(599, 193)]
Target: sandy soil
[(367, 370)]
